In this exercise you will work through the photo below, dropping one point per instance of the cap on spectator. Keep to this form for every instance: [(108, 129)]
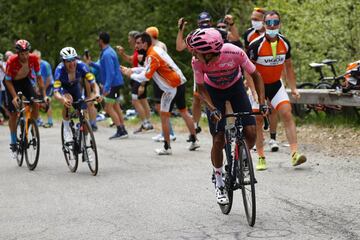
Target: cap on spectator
[(105, 37), (204, 17), (153, 32)]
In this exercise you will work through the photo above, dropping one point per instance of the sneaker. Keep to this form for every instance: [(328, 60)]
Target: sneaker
[(274, 146), (94, 127), (148, 127), (163, 151), (160, 138), (297, 159), (67, 135), (47, 125), (221, 195), (13, 151), (261, 165), (193, 146), (39, 122), (198, 129), (139, 130), (119, 135), (157, 137)]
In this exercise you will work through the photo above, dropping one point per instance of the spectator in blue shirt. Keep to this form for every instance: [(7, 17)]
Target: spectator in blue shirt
[(46, 73), (112, 82)]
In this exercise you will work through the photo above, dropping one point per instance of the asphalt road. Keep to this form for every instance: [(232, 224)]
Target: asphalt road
[(138, 195)]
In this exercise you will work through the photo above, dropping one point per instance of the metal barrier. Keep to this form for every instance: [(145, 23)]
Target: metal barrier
[(326, 97)]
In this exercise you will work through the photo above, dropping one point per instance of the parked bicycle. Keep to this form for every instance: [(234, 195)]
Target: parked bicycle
[(239, 170), (334, 82), (27, 134), (83, 140)]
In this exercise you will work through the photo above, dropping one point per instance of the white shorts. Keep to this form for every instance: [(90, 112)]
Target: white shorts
[(275, 93)]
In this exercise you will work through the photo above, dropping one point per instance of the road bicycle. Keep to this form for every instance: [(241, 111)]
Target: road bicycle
[(239, 170), (83, 141), (27, 134)]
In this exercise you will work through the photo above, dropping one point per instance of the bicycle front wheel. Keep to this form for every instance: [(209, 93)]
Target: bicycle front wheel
[(20, 142), (246, 178), (90, 151), (32, 142), (70, 153), (228, 179)]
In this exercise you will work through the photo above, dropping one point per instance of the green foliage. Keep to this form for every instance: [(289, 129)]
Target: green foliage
[(317, 29)]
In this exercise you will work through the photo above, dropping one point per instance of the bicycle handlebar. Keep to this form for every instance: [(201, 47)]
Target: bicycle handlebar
[(241, 114)]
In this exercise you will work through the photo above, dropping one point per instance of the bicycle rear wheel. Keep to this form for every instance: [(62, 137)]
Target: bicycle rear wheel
[(89, 151), (20, 142), (226, 208), (246, 178), (301, 110), (70, 153), (32, 148)]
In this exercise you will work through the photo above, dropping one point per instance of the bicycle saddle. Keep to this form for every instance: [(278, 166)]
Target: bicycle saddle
[(329, 61)]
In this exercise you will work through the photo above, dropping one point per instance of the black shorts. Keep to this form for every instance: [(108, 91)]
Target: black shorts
[(179, 98), (114, 92), (23, 85), (134, 90), (238, 99), (157, 92)]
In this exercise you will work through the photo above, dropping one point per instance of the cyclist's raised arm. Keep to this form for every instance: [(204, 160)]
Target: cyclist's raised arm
[(180, 42)]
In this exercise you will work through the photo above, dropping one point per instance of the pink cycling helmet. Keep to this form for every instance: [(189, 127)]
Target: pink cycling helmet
[(207, 40)]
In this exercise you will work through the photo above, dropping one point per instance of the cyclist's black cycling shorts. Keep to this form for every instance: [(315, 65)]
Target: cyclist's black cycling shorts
[(22, 85), (238, 99)]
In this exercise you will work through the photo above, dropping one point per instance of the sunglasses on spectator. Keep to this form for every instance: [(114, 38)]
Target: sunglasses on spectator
[(222, 26), (272, 22)]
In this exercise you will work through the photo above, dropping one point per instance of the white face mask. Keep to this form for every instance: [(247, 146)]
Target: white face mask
[(257, 24), (272, 32)]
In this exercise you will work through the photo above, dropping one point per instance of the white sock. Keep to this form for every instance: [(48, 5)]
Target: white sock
[(218, 177)]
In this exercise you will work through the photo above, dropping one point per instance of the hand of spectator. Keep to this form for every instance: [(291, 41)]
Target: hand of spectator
[(141, 90), (120, 49), (295, 93), (181, 24), (87, 59), (228, 19), (126, 71)]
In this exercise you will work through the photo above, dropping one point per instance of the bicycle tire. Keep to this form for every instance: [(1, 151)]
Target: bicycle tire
[(91, 161), (330, 110), (301, 110), (20, 142), (71, 156), (229, 183), (32, 143), (246, 177)]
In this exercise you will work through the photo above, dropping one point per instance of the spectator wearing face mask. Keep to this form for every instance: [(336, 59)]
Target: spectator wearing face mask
[(257, 26)]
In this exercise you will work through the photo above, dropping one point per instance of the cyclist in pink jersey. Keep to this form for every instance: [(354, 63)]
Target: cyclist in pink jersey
[(217, 71)]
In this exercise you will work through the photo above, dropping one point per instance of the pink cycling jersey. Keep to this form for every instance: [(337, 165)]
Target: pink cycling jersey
[(226, 70)]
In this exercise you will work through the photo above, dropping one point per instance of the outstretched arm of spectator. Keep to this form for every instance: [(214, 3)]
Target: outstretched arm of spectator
[(123, 55), (180, 42), (233, 31)]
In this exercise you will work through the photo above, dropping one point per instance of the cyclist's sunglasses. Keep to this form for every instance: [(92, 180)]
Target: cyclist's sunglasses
[(272, 22), (70, 59)]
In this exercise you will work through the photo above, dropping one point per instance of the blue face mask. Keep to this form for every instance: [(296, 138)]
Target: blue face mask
[(272, 32)]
